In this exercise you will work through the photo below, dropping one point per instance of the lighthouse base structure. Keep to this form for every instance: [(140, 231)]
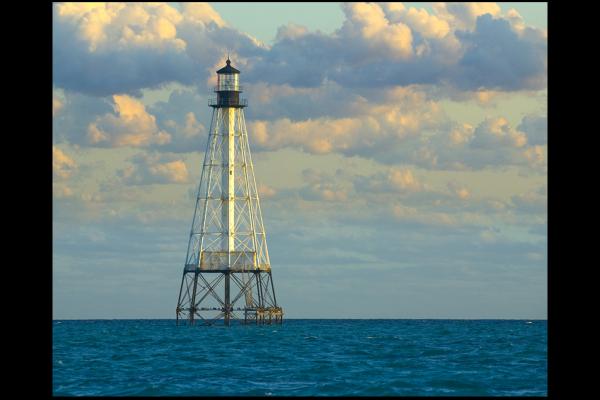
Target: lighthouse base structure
[(214, 296)]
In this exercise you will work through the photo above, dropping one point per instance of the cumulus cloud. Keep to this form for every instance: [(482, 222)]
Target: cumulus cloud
[(56, 105), (182, 116), (154, 169), (496, 57), (367, 25), (104, 49), (107, 48), (129, 125), (459, 190), (494, 133), (387, 44), (493, 143), (63, 166), (419, 20), (373, 130), (464, 15), (187, 137), (61, 191), (322, 186), (536, 129)]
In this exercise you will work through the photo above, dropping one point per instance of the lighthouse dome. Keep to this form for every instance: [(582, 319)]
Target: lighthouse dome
[(228, 69)]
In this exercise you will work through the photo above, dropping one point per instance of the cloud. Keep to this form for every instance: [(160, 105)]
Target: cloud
[(367, 25), (496, 57), (386, 44), (154, 169), (180, 116), (536, 129), (372, 130), (57, 105), (266, 191), (63, 166), (464, 15), (189, 136), (533, 201), (107, 48), (492, 143), (404, 213), (202, 13), (459, 190), (322, 186), (113, 48), (61, 191), (419, 20), (494, 133), (129, 125)]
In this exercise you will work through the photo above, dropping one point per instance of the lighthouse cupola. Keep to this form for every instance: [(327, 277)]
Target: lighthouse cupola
[(228, 88)]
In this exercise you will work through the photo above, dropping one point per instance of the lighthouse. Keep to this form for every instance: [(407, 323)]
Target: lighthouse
[(227, 273)]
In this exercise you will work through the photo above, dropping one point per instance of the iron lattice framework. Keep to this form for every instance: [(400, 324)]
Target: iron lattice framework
[(227, 274)]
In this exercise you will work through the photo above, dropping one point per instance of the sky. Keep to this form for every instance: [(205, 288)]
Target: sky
[(400, 151)]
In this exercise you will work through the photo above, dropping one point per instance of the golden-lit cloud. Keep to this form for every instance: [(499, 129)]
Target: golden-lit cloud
[(201, 12), (124, 24), (130, 125), (458, 190), (377, 127), (403, 179), (428, 25), (154, 168), (63, 166), (57, 105), (367, 22), (494, 132)]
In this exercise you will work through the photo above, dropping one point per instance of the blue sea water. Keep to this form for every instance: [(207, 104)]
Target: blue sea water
[(301, 357)]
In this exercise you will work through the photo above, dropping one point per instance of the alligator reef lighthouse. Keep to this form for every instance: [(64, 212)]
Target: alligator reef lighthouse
[(227, 273)]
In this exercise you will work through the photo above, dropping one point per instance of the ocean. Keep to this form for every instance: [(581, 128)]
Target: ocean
[(301, 358)]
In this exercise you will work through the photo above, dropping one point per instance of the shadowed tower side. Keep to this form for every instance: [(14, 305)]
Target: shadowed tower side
[(227, 274)]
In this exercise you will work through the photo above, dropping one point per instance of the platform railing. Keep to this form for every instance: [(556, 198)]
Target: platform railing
[(214, 102)]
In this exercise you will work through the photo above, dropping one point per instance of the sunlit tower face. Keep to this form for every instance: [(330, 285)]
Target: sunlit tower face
[(227, 249)]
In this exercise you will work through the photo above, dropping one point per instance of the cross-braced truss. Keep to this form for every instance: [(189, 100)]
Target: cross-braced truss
[(227, 273)]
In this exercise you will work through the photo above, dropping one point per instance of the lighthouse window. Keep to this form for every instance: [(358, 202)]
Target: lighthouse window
[(228, 82)]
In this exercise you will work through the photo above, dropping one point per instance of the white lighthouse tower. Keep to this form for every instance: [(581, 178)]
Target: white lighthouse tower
[(227, 274)]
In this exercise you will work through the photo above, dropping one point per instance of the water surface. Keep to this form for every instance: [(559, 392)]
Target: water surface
[(301, 357)]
